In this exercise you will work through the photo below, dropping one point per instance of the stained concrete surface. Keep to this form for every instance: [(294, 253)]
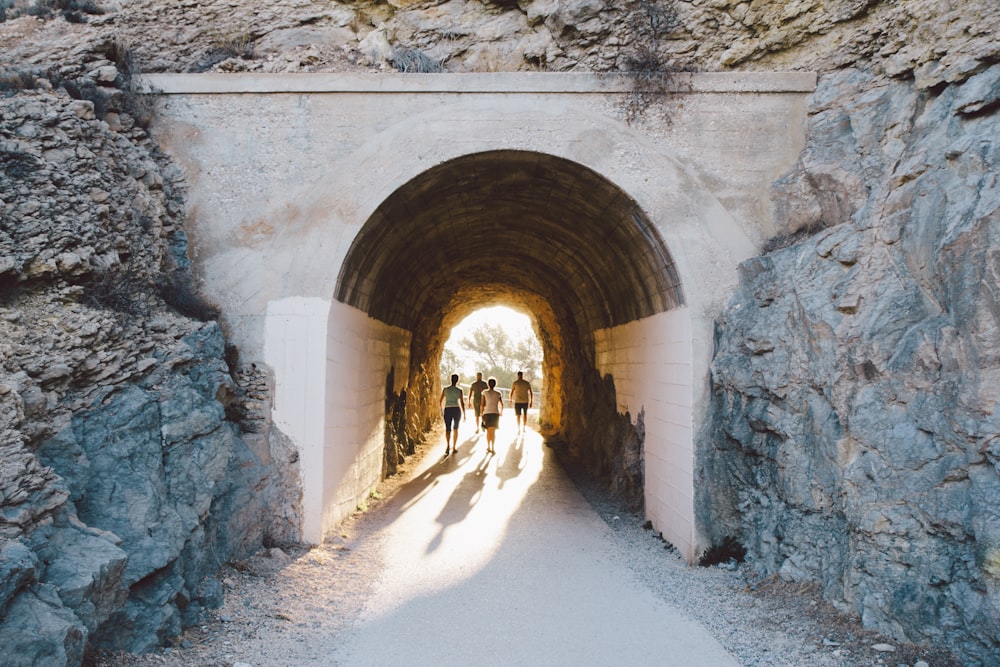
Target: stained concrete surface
[(499, 560)]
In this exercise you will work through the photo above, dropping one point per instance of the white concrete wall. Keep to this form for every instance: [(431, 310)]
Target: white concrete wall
[(284, 170), (295, 344), (651, 362), (330, 364), (359, 356)]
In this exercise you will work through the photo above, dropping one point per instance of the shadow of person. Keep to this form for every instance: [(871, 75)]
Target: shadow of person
[(469, 445), (465, 496), (513, 462)]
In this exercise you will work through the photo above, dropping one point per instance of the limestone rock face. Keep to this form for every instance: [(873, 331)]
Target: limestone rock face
[(936, 42), (857, 373), (124, 482)]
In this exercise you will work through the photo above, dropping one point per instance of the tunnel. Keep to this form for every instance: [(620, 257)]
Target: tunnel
[(531, 231), (343, 224)]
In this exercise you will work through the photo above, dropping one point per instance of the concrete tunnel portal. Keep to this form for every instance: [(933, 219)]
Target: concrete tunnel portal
[(536, 232), (344, 222)]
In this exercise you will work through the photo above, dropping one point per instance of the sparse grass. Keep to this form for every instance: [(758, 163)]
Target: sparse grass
[(14, 80), (234, 45), (115, 291), (728, 550), (653, 75), (127, 96), (226, 45), (74, 11), (414, 61)]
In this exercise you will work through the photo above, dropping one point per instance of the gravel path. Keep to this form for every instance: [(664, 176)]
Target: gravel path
[(436, 571)]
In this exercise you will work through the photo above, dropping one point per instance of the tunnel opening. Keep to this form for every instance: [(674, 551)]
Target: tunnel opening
[(543, 235), (495, 341)]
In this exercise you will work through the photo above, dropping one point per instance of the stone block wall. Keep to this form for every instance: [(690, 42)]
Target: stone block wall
[(650, 362), (362, 355)]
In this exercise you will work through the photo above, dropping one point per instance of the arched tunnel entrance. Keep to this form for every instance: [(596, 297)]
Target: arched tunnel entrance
[(546, 236), (340, 243)]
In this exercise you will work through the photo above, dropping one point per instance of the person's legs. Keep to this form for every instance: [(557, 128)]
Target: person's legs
[(451, 419), (521, 416)]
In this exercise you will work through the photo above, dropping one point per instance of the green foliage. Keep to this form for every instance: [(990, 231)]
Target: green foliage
[(450, 363), (496, 354)]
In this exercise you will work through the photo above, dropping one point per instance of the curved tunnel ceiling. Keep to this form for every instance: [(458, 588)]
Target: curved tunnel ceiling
[(531, 222)]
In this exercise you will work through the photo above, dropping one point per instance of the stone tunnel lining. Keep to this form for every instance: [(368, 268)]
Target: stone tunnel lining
[(532, 222)]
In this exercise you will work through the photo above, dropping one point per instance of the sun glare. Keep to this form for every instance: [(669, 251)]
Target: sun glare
[(516, 325)]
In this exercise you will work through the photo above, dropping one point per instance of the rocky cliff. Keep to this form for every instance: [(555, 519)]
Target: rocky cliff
[(857, 439), (124, 483), (854, 434)]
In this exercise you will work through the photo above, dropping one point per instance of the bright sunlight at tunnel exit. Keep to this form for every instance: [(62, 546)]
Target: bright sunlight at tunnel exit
[(496, 341)]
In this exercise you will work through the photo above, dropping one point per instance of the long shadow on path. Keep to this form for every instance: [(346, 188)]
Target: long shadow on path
[(506, 564)]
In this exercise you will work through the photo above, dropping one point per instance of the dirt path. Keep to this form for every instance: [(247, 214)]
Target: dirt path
[(499, 560)]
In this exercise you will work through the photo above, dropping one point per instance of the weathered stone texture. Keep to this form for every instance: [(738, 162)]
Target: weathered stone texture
[(123, 483), (856, 374)]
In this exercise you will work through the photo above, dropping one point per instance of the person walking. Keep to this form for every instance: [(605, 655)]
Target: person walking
[(492, 407), (476, 397), (453, 402), (522, 397)]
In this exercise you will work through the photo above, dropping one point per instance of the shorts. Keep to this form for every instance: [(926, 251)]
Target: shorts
[(491, 420), (452, 416), (521, 409)]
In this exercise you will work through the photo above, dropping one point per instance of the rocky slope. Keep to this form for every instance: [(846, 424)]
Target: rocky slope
[(854, 439), (858, 372), (124, 484)]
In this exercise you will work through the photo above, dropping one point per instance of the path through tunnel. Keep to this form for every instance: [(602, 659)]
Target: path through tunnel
[(537, 233)]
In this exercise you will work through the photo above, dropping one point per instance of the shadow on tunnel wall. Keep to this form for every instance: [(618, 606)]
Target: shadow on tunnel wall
[(599, 442), (399, 443)]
